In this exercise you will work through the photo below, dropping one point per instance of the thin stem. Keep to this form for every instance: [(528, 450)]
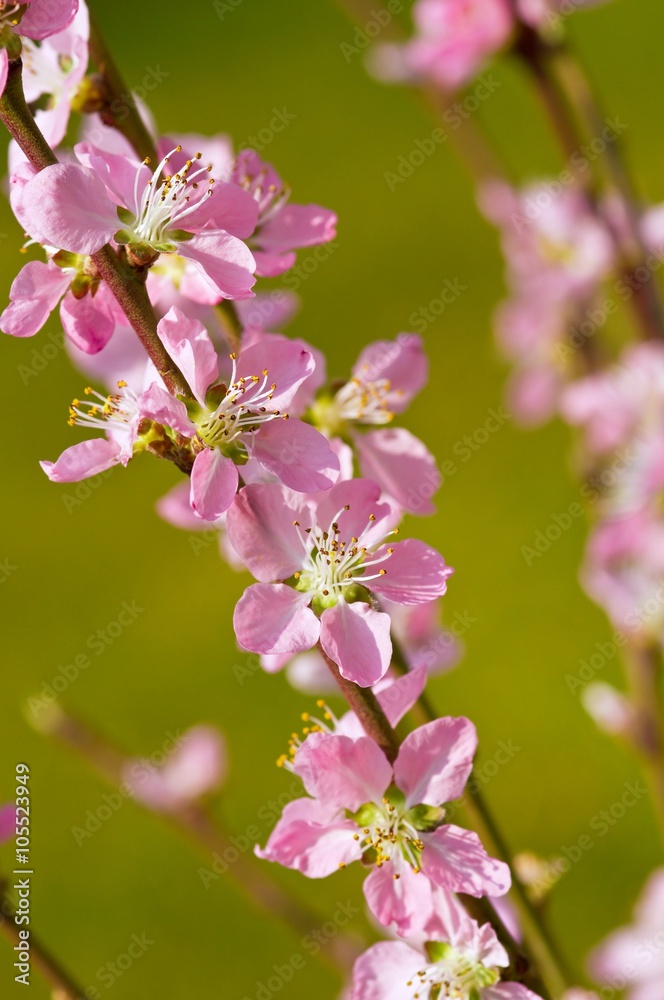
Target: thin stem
[(127, 287), (375, 724), (644, 669), (120, 110), (209, 835), (40, 957), (366, 707)]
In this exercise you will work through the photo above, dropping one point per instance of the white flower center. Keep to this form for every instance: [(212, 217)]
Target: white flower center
[(165, 204), (456, 976), (391, 834), (332, 564), (364, 401), (243, 409), (269, 198), (117, 413)]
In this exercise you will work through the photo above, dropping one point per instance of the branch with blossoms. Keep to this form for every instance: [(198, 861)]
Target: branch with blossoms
[(567, 241), (153, 248)]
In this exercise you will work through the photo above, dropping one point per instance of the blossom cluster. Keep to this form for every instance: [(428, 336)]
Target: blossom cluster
[(454, 38), (307, 480)]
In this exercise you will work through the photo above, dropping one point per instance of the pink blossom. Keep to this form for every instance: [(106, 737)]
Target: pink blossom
[(612, 405), (318, 562), (246, 417), (7, 822), (610, 709), (196, 767), (123, 416), (55, 68), (89, 312), (110, 196), (453, 40), (385, 379), (38, 20), (282, 225), (361, 807), (628, 954), (464, 962), (623, 571), (554, 245)]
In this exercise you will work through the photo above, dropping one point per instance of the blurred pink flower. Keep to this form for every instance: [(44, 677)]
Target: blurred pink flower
[(453, 40), (195, 768), (634, 955), (623, 571)]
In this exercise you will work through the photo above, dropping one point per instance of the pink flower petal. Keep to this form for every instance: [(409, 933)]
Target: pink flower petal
[(274, 618), (510, 991), (415, 573), (343, 773), (288, 364), (297, 454), (383, 970), (261, 530), (398, 697), (125, 177), (312, 840), (175, 508), (157, 404), (455, 859), (271, 264), (188, 343), (88, 322), (402, 465), (35, 292), (225, 261), (357, 638), (298, 226), (214, 480), (435, 761), (229, 208), (68, 205), (4, 69), (404, 903), (88, 458), (402, 362), (44, 18), (362, 497)]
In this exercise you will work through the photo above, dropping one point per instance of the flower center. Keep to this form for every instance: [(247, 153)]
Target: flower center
[(333, 564), (242, 409), (364, 401), (390, 834), (268, 196), (165, 204), (117, 412), (455, 976)]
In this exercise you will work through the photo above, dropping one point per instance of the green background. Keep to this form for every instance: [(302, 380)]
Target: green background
[(174, 666)]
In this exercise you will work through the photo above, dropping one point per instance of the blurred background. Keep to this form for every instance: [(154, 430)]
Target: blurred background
[(227, 68)]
